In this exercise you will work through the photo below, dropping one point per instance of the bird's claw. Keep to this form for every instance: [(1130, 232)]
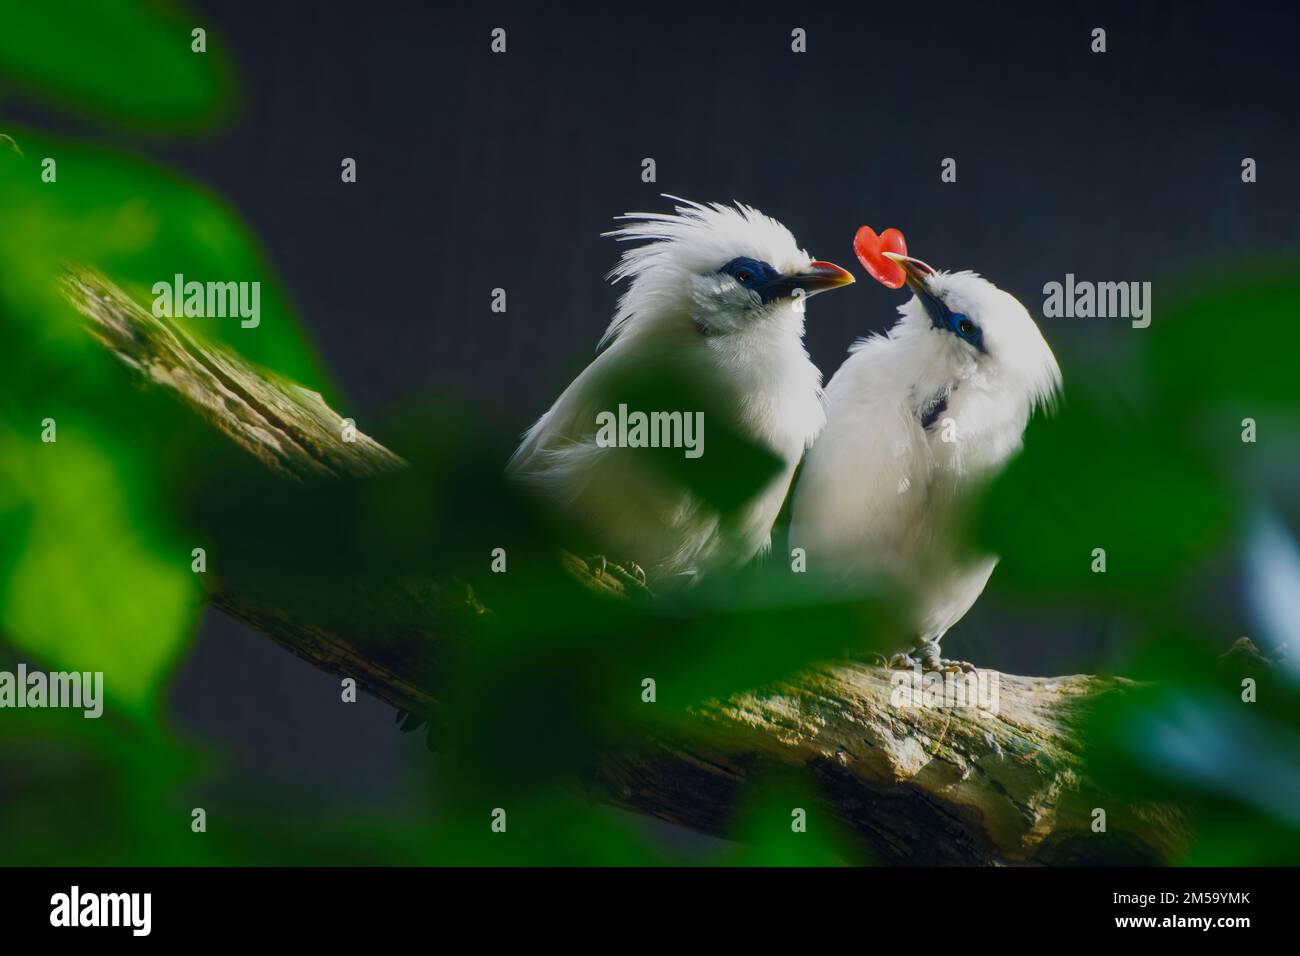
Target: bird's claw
[(636, 571), (931, 660), (901, 661), (927, 658), (628, 572), (957, 667)]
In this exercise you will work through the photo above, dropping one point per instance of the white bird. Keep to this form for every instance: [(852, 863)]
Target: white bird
[(715, 297), (917, 418)]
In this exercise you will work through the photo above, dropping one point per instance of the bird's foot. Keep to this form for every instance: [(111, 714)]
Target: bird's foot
[(926, 657), (636, 571), (899, 661), (932, 660), (627, 573)]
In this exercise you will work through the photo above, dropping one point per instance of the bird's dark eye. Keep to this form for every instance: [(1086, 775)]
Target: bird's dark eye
[(749, 273), (965, 326)]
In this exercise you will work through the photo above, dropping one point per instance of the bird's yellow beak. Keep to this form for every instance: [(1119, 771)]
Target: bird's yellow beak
[(820, 276)]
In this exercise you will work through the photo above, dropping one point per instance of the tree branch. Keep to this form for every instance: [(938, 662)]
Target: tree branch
[(920, 785)]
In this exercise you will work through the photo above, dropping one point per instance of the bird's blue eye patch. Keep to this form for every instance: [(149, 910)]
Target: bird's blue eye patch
[(751, 273), (961, 325)]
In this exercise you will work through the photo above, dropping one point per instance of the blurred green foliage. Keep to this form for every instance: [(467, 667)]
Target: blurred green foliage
[(1189, 738), (140, 224), (121, 61), (1094, 478), (90, 584), (779, 823), (94, 553), (1167, 485), (97, 566)]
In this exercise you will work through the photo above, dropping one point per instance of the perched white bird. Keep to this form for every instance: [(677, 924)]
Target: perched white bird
[(916, 418), (715, 297)]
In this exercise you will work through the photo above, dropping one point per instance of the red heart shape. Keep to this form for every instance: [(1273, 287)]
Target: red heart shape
[(871, 249)]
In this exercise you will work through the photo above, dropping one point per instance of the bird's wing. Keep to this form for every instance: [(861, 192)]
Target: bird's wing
[(560, 453), (632, 512), (861, 500), (568, 423)]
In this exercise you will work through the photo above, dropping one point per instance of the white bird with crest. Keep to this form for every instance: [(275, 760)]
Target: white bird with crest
[(917, 418), (715, 298)]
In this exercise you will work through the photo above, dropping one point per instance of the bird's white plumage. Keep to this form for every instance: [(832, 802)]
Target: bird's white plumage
[(679, 312), (881, 497)]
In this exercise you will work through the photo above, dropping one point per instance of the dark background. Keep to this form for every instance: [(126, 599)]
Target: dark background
[(478, 170)]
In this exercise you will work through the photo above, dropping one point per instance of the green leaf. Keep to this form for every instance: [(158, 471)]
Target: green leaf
[(1095, 479), (781, 822), (126, 62), (88, 586), (1230, 341), (140, 224)]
